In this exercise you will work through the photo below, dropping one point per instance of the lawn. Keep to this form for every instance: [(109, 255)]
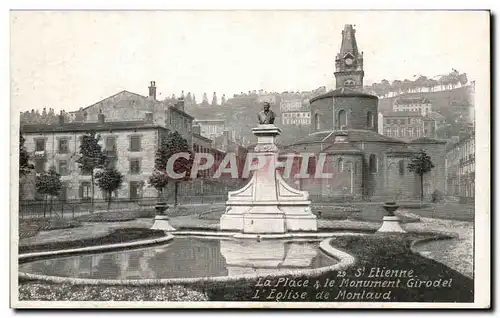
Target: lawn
[(372, 251), (120, 235)]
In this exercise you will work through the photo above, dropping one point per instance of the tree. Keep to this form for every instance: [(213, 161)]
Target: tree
[(48, 184), (205, 99), (91, 158), (462, 78), (421, 164), (109, 180), (397, 86), (25, 166), (421, 82), (214, 99), (385, 87), (173, 144)]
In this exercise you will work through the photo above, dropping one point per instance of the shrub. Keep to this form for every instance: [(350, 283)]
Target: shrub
[(437, 196)]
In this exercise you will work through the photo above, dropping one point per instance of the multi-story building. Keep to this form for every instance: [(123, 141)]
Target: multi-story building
[(413, 104), (210, 128), (130, 144), (364, 164), (295, 112), (461, 167), (408, 125), (131, 127)]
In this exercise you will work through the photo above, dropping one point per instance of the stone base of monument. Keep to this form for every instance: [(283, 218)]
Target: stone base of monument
[(391, 224), (162, 222), (267, 204)]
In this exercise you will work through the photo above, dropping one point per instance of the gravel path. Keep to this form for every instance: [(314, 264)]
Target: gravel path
[(87, 230), (455, 253)]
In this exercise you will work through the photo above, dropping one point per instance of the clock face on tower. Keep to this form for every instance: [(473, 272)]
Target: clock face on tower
[(348, 61)]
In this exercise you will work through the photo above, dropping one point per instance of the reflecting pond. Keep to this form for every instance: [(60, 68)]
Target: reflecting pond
[(188, 257)]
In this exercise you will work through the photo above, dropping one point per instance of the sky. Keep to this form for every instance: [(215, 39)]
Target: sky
[(72, 59)]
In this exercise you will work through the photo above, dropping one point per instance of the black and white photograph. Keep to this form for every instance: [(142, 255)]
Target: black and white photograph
[(250, 159)]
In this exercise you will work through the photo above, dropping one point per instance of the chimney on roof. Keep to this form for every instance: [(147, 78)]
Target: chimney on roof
[(61, 118), (180, 104), (152, 90), (100, 117)]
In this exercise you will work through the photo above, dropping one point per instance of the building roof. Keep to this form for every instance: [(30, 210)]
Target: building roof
[(436, 116), (349, 44), (211, 121), (402, 114), (343, 92), (427, 140), (342, 147), (411, 100), (88, 126), (353, 135), (198, 136)]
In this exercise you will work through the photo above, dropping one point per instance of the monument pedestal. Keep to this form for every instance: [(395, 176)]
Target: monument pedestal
[(391, 224), (162, 222), (267, 204)]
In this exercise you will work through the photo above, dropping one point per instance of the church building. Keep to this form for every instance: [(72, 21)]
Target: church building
[(365, 164)]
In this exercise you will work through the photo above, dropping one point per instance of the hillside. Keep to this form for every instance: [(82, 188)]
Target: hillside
[(240, 113), (442, 101)]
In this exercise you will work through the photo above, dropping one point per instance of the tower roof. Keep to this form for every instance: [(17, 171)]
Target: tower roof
[(349, 44)]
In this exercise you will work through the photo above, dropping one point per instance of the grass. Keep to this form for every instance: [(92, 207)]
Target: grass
[(117, 236), (30, 227), (389, 251), (373, 251), (115, 216), (65, 292)]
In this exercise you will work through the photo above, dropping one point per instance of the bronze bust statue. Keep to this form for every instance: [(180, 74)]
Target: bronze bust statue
[(266, 116)]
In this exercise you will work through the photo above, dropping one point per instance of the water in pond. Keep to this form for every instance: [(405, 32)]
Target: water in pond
[(188, 257)]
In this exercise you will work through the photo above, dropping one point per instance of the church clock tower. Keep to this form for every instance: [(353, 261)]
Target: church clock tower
[(349, 62)]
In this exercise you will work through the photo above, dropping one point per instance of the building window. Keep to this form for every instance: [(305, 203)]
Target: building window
[(134, 190), (63, 167), (373, 163), (135, 166), (401, 166), (63, 145), (85, 190), (63, 193), (111, 144), (316, 121), (135, 143), (369, 120), (40, 145), (342, 119), (39, 165), (340, 165)]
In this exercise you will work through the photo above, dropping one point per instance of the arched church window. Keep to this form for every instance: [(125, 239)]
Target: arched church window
[(401, 166), (340, 165), (342, 119), (316, 121), (349, 82), (372, 164), (369, 119)]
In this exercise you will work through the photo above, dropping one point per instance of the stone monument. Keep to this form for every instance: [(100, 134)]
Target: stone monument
[(267, 204), (391, 223), (162, 221)]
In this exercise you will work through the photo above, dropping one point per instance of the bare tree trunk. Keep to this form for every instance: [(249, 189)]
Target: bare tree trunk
[(45, 206), (422, 188), (92, 187), (176, 191), (109, 200)]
